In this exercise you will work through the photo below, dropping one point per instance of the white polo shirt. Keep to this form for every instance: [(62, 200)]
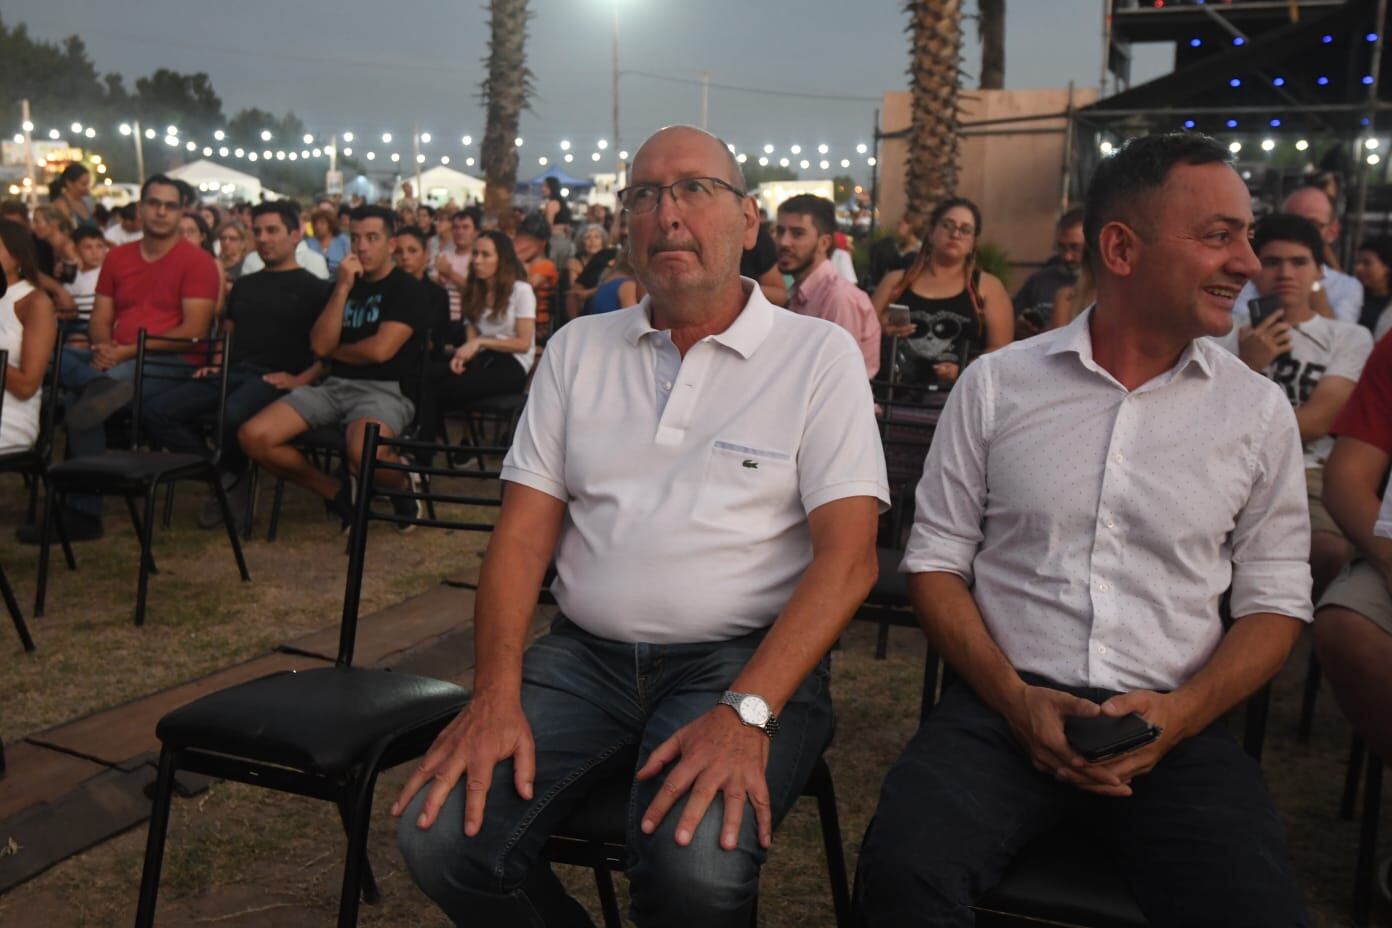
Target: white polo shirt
[(688, 491)]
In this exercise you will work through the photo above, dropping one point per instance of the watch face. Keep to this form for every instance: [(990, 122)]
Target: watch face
[(754, 711)]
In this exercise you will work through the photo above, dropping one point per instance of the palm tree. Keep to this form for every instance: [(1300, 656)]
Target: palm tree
[(935, 34), (505, 93), (991, 25)]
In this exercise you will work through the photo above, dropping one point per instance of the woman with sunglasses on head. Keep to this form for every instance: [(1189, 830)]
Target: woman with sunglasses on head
[(956, 311)]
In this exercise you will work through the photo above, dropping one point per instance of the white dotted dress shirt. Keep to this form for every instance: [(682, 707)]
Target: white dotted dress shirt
[(1099, 527)]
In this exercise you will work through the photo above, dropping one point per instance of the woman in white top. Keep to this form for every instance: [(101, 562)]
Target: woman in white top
[(499, 310), (28, 329)]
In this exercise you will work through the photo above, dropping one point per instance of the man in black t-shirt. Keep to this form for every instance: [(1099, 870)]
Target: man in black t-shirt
[(269, 314), (1034, 303), (369, 335)]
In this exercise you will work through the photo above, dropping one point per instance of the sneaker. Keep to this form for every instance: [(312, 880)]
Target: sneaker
[(342, 504), (408, 507), (101, 398), (80, 526)]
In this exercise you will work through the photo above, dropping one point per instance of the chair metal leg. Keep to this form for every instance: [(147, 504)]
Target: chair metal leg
[(1349, 804), (147, 559), (138, 525), (32, 513), (276, 499), (215, 482), (45, 538), (371, 894), (168, 518), (1367, 843), (1313, 675), (608, 900), (359, 818), (822, 787), (16, 616), (881, 641), (154, 841), (253, 491)]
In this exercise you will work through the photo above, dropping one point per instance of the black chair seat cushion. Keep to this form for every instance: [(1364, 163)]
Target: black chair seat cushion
[(501, 404), (891, 587), (322, 720), (1063, 877), (28, 459), (601, 817), (124, 466)]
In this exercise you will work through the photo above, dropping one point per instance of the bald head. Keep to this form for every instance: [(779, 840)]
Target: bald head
[(1314, 204), (697, 142)]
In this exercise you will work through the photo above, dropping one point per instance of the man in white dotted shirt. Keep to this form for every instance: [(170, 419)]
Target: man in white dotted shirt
[(1089, 496), (1316, 360), (707, 470)]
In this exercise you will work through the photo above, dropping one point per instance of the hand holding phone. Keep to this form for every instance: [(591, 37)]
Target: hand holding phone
[(897, 320), (1103, 737), (1259, 308)]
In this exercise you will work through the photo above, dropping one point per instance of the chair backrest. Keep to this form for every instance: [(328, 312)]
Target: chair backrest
[(4, 374), (159, 357), (48, 406), (489, 495)]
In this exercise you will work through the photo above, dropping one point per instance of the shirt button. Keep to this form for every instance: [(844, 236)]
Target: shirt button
[(1110, 524), (1117, 457), (1104, 587), (667, 385), (1101, 649)]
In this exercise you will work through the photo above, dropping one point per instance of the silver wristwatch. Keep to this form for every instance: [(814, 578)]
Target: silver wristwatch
[(752, 711)]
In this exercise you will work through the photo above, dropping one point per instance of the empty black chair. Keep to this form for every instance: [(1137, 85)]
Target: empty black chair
[(141, 473), (324, 733)]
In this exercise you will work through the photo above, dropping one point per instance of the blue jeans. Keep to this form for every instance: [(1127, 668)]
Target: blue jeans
[(170, 419), (74, 374), (590, 700), (1198, 841)]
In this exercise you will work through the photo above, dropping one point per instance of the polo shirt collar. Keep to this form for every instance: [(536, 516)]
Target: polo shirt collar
[(744, 335), (1076, 338)]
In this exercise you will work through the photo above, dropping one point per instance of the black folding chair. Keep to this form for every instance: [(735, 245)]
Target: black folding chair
[(1367, 766), (141, 473), (11, 604), (324, 733)]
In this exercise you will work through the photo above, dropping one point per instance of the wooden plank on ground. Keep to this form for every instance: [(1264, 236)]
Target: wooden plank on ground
[(115, 735), (36, 775), (396, 629)]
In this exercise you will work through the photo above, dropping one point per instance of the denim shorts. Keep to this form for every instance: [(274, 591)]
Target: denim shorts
[(338, 401)]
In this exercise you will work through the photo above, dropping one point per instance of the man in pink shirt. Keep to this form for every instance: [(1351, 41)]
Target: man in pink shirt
[(806, 224)]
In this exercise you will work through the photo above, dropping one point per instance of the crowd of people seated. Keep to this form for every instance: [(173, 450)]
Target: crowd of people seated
[(1229, 394)]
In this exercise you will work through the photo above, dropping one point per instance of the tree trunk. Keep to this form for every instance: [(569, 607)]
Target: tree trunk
[(505, 92), (935, 32), (992, 26)]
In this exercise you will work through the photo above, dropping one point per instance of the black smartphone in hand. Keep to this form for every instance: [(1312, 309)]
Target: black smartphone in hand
[(1261, 307), (1105, 736)]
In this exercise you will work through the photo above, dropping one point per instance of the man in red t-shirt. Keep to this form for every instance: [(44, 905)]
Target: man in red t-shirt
[(162, 284), (533, 232), (1353, 624)]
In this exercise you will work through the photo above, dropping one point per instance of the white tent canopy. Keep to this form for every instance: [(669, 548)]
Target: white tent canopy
[(440, 184), (218, 181)]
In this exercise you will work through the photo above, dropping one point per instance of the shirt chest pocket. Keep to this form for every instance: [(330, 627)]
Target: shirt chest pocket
[(745, 488)]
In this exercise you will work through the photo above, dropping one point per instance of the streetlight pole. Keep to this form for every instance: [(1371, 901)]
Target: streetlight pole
[(139, 152), (32, 193), (618, 146)]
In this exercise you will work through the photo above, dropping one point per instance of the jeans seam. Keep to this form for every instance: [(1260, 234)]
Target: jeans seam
[(540, 804)]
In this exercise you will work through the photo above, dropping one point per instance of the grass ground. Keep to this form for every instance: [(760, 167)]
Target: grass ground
[(244, 857)]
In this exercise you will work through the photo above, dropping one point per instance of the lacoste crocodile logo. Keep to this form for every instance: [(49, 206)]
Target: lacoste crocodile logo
[(752, 465)]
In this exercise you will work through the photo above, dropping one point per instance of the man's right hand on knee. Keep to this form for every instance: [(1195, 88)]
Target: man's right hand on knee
[(487, 732)]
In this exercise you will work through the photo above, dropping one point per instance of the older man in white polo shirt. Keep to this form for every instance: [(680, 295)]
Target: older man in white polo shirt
[(707, 470)]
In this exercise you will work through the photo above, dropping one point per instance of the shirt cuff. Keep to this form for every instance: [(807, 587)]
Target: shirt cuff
[(528, 478), (1382, 528), (831, 494), (1280, 587), (938, 554)]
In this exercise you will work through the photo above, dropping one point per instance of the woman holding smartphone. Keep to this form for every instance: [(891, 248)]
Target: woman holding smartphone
[(956, 310)]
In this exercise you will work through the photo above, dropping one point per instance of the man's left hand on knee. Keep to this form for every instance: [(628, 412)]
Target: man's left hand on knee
[(718, 754)]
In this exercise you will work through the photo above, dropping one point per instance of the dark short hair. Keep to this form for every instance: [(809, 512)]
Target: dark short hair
[(1140, 167), (1070, 218), (100, 214), (161, 180), (415, 232), (822, 211), (14, 208), (470, 212), (1287, 227), (20, 244), (287, 210), (429, 210), (128, 212), (82, 233), (372, 211), (1381, 246), (534, 225)]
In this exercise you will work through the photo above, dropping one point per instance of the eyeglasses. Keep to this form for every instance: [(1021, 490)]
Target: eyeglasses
[(687, 193), (952, 229), (158, 204)]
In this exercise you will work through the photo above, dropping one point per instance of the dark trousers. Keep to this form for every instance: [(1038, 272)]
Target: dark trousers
[(490, 373), (1199, 840), (590, 701), (171, 419)]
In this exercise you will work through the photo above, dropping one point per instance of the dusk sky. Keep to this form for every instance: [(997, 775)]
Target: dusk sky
[(371, 66)]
